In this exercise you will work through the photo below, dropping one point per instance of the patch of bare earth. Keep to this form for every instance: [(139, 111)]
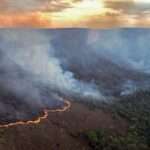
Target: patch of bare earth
[(60, 131)]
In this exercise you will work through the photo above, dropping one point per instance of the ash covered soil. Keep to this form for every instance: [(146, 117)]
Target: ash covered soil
[(121, 125), (61, 130)]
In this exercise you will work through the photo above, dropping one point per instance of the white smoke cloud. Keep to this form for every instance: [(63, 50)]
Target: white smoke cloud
[(31, 62), (32, 52), (129, 47)]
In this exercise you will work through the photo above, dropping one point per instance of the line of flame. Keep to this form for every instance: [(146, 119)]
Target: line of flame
[(39, 119)]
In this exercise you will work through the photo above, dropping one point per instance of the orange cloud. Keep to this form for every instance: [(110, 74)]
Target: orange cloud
[(23, 20), (74, 13)]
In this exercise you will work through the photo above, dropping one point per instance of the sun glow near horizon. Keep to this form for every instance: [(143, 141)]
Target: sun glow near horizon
[(75, 13), (142, 1), (81, 9)]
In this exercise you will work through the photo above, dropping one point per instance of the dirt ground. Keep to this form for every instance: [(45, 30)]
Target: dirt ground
[(60, 131)]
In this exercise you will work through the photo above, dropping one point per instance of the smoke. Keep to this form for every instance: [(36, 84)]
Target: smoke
[(38, 66), (127, 47), (30, 69), (128, 88)]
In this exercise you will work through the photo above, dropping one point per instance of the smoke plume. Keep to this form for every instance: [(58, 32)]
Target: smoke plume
[(130, 47), (127, 48), (38, 65), (30, 69)]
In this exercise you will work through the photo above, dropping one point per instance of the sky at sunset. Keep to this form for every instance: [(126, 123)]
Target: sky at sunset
[(74, 13)]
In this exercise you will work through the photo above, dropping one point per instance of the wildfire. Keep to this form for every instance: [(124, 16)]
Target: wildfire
[(39, 119)]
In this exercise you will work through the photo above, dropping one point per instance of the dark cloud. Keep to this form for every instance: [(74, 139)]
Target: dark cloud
[(124, 5), (32, 5), (128, 7)]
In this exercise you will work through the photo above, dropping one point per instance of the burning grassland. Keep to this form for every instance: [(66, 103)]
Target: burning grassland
[(39, 67)]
